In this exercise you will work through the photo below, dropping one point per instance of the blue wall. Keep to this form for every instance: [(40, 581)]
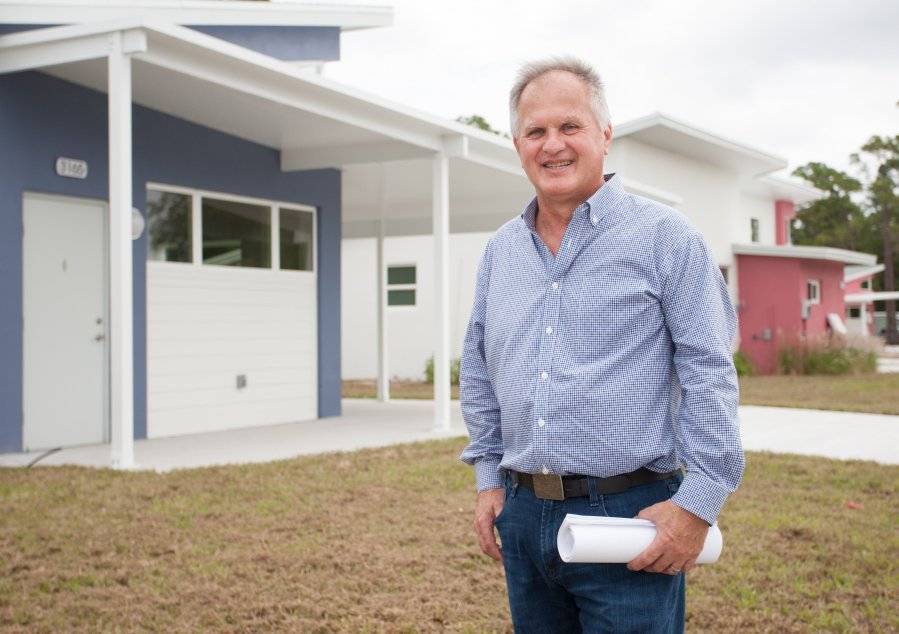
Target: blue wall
[(294, 43), (42, 118)]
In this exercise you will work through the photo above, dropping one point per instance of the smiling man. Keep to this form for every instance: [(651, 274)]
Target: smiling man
[(597, 363)]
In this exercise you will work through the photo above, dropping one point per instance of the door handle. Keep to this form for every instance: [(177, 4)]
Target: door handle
[(100, 337)]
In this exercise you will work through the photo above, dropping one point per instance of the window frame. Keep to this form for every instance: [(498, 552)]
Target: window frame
[(810, 284), (400, 287), (274, 206), (755, 230)]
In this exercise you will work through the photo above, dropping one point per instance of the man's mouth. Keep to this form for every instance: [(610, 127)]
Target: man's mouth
[(553, 165)]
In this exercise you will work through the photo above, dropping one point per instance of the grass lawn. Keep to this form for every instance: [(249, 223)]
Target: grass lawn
[(873, 393), (381, 540)]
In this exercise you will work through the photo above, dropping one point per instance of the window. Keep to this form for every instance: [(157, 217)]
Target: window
[(295, 231), (855, 312), (754, 229), (866, 284), (169, 226), (813, 291), (401, 285), (236, 234), (225, 230)]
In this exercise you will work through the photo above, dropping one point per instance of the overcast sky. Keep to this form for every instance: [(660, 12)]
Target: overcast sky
[(805, 80)]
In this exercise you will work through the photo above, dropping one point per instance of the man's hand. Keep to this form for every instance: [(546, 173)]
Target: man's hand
[(486, 510), (680, 536)]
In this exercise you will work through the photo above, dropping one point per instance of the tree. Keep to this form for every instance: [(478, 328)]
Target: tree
[(477, 121), (858, 214), (883, 198)]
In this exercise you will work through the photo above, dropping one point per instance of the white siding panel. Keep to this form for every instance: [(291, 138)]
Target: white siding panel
[(206, 325)]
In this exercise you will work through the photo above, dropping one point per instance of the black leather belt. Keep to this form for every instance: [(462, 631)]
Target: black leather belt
[(556, 487)]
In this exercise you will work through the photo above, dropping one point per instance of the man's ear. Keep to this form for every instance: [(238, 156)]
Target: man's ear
[(607, 134)]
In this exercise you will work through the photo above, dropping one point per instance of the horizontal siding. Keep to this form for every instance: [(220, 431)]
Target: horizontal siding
[(206, 325)]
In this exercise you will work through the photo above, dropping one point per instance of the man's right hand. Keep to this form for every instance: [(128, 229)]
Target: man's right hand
[(486, 510)]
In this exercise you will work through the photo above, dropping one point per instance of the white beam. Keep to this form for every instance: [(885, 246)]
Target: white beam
[(22, 51), (120, 284), (864, 298), (381, 285), (440, 207), (338, 155)]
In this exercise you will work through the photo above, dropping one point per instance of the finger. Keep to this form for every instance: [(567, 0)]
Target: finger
[(663, 564), (647, 558), (487, 538), (690, 565)]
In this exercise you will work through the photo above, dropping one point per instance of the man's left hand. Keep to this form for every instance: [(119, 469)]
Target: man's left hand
[(680, 536)]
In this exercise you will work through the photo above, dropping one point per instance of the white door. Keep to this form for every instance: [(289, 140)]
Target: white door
[(65, 322)]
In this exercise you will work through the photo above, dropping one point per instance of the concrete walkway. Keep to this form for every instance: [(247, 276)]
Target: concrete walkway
[(367, 423)]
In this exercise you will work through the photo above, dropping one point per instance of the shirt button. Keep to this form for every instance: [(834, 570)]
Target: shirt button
[(549, 330), (541, 422), (544, 375), (555, 286), (545, 470)]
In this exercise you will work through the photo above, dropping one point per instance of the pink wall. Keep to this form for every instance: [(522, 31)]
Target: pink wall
[(784, 211), (772, 290)]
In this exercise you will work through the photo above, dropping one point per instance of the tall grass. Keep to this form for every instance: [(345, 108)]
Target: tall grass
[(829, 355)]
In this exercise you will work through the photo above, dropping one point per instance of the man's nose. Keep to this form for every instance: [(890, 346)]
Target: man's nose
[(553, 142)]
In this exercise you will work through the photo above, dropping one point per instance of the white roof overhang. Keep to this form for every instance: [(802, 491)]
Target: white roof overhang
[(665, 132), (783, 188), (197, 12), (854, 273), (807, 253), (865, 298)]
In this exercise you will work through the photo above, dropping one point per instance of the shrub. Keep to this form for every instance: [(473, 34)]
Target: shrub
[(455, 366), (828, 355), (743, 364)]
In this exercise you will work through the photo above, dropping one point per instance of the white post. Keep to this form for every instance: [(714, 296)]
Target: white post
[(383, 369), (121, 368), (440, 187)]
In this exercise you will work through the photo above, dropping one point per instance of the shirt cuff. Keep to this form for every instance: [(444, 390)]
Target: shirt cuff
[(487, 474), (701, 496)]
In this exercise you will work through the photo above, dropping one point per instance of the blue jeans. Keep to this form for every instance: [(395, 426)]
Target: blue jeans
[(547, 595)]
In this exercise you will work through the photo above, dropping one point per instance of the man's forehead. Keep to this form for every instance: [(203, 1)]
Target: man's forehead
[(553, 81)]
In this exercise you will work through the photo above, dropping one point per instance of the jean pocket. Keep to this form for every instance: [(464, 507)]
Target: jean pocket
[(674, 483)]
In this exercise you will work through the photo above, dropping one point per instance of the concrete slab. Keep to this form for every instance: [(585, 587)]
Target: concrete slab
[(844, 435), (367, 423)]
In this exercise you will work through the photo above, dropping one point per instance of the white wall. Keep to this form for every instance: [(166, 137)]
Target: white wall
[(410, 329), (711, 195), (206, 325), (752, 206)]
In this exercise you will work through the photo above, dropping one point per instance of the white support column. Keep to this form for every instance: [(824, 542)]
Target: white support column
[(383, 366), (121, 345), (440, 187)]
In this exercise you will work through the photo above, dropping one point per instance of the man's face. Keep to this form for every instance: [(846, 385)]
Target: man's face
[(559, 140)]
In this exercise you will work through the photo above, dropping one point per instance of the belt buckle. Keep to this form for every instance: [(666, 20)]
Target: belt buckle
[(548, 487)]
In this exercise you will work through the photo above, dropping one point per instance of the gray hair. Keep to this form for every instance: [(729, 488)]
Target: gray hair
[(580, 69)]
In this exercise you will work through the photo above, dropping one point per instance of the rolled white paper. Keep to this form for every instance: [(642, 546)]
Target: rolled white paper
[(617, 540)]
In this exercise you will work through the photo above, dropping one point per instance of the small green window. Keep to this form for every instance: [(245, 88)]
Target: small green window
[(401, 285)]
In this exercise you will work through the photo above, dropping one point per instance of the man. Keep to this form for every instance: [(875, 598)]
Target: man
[(596, 361)]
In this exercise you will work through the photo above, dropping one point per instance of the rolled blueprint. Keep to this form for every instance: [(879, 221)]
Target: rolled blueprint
[(617, 540)]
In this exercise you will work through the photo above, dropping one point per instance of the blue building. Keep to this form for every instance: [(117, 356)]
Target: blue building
[(174, 186)]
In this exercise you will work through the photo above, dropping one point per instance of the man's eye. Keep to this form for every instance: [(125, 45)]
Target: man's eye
[(533, 134), (569, 127)]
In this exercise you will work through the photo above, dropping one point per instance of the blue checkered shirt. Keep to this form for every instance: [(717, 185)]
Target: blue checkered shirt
[(612, 355)]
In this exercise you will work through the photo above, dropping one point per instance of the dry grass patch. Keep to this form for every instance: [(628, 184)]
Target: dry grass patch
[(872, 393), (380, 540)]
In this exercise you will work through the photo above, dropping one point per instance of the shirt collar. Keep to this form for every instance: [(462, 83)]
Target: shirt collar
[(593, 207)]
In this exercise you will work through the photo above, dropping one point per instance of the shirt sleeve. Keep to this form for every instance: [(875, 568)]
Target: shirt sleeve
[(480, 408), (701, 319)]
